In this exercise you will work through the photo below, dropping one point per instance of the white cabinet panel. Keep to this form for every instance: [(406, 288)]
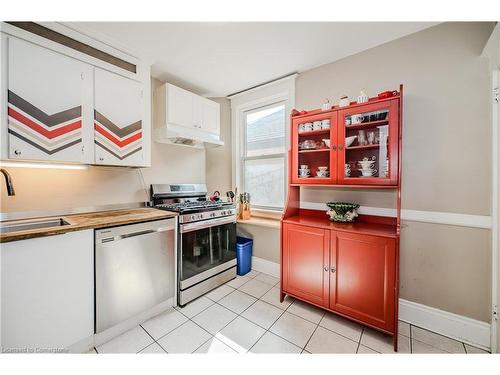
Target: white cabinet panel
[(49, 104), (179, 106), (191, 111), (210, 116), (118, 120), (48, 291)]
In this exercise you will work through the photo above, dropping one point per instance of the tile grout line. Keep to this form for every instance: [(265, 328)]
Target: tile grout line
[(359, 342), (411, 339), (154, 341)]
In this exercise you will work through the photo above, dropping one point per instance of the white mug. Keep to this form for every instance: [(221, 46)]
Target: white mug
[(357, 119)]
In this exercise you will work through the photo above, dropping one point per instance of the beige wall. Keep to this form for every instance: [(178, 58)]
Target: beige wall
[(446, 155), (447, 267), (265, 241), (218, 162), (42, 189), (446, 131), (446, 115)]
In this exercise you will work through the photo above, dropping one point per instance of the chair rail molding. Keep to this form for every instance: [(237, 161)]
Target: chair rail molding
[(435, 217)]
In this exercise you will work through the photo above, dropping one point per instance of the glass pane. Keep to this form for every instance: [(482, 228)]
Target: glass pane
[(265, 131), (366, 144), (265, 181), (206, 248)]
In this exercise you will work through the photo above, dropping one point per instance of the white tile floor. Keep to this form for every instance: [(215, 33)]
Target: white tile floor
[(245, 315)]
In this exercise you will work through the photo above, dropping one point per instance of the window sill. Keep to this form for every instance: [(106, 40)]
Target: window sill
[(261, 222)]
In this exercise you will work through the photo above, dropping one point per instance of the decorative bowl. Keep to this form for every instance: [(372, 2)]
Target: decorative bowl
[(349, 140), (342, 212)]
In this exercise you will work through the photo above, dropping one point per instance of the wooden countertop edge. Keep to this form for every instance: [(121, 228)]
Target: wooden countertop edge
[(87, 221)]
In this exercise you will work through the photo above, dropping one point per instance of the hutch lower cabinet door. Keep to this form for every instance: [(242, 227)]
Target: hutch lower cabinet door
[(362, 277), (305, 260)]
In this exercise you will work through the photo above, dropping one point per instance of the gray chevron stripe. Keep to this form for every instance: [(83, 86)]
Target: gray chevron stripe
[(44, 118), (120, 132), (115, 154), (49, 152)]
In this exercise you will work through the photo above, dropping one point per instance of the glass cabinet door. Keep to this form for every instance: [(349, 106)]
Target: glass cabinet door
[(368, 144), (313, 137)]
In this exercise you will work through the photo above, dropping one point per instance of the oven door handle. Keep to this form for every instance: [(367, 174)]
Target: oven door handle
[(184, 228)]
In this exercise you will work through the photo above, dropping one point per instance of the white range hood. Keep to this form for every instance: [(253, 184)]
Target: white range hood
[(183, 136), (186, 119)]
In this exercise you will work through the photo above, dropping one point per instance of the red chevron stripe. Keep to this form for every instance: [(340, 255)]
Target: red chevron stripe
[(115, 140), (50, 134)]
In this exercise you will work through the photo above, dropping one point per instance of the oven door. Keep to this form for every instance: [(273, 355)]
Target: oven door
[(206, 248)]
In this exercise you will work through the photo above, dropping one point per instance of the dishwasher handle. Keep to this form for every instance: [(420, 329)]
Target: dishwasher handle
[(121, 233)]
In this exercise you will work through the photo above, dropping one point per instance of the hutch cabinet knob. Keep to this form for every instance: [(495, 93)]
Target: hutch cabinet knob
[(334, 148), (333, 270), (326, 269), (17, 152), (101, 158), (341, 147)]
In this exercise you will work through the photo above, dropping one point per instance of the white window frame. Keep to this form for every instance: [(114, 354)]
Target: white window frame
[(281, 91)]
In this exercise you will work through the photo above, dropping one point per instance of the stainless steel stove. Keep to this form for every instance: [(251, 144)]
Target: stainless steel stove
[(206, 250)]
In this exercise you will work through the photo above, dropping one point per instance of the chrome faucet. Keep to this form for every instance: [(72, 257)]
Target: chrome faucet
[(8, 182)]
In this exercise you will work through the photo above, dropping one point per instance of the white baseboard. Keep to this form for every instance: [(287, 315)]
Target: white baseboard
[(266, 266), (458, 327)]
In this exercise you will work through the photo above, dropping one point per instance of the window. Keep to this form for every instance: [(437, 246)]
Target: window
[(260, 118), (264, 155)]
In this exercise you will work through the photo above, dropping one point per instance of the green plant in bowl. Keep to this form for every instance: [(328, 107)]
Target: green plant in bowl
[(342, 212)]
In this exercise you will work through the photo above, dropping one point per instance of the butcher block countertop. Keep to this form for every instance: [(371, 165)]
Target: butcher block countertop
[(92, 220)]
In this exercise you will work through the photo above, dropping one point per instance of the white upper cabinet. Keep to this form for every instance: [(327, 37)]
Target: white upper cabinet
[(180, 106), (183, 108), (118, 120), (49, 100), (61, 109), (210, 119)]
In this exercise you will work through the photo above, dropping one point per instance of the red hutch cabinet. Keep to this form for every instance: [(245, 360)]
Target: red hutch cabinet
[(351, 269)]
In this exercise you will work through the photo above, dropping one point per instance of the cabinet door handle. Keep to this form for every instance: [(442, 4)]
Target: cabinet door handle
[(101, 158), (17, 152), (333, 270), (334, 148), (341, 147), (326, 269)]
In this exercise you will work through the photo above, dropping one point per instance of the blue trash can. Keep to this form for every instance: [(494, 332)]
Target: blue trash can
[(243, 255)]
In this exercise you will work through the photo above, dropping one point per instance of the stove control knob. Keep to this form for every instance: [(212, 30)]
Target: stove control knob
[(212, 214)]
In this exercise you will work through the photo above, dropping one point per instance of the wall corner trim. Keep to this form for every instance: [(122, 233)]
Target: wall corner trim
[(462, 328)]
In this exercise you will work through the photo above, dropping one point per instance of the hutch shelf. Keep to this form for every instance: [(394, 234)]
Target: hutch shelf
[(351, 269)]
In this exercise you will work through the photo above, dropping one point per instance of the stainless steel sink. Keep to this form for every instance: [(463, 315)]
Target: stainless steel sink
[(18, 225)]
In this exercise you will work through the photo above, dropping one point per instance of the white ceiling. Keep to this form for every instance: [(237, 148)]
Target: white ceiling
[(217, 59)]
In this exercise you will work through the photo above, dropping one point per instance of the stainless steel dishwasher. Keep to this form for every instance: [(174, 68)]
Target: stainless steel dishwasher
[(134, 270)]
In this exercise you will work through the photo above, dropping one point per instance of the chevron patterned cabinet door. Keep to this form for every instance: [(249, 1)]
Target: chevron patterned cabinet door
[(49, 105), (118, 120)]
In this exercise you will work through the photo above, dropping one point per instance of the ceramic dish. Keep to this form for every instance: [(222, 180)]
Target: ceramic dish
[(349, 140)]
